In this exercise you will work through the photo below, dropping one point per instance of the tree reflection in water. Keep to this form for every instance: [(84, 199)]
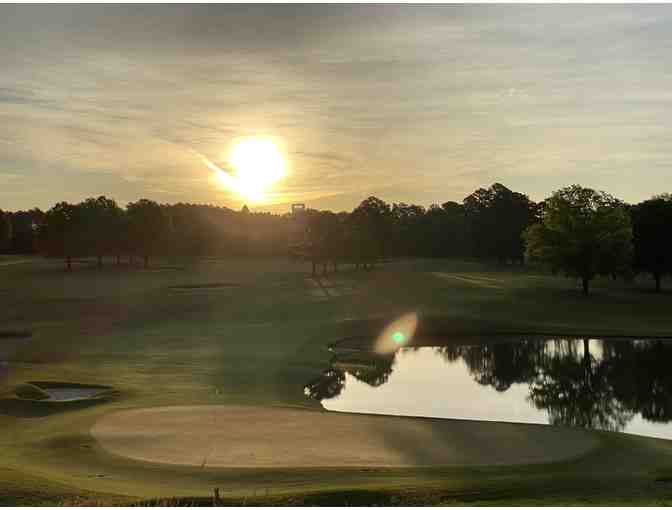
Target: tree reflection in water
[(598, 384), (372, 369), (576, 389)]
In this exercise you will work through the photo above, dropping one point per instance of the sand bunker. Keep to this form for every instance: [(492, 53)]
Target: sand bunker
[(240, 436)]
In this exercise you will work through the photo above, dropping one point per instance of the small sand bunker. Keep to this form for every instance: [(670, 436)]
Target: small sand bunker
[(241, 436), (47, 391)]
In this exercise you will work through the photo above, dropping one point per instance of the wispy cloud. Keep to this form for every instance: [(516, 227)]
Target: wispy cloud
[(417, 103)]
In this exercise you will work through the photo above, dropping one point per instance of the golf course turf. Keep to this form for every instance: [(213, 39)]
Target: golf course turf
[(257, 344)]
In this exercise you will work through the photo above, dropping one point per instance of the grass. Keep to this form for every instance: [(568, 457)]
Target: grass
[(258, 343), (30, 392)]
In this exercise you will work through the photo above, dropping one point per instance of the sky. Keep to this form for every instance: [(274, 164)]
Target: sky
[(410, 103)]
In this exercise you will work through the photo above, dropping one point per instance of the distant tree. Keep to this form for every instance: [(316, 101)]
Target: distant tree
[(583, 233), (24, 229), (444, 230), (5, 231), (119, 236), (496, 218), (61, 232), (148, 228), (652, 236), (101, 221), (407, 224), (317, 249), (371, 224), (324, 239)]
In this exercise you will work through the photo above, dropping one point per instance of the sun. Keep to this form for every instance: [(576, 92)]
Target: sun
[(257, 163)]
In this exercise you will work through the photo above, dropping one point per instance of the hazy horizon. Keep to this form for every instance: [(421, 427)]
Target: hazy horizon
[(410, 103)]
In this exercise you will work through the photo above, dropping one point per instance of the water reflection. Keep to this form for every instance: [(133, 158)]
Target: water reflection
[(615, 385)]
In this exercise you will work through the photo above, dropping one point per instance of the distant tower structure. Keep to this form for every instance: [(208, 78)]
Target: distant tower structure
[(298, 208)]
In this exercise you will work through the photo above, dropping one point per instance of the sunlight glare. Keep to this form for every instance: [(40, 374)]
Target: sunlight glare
[(257, 163)]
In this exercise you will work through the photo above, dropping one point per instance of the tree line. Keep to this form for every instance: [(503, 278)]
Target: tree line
[(578, 231)]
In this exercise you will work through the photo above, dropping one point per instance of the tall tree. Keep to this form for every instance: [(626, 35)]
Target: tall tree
[(324, 239), (101, 220), (652, 235), (5, 231), (24, 229), (61, 232), (497, 217), (371, 223), (407, 223), (443, 231), (148, 228), (583, 233)]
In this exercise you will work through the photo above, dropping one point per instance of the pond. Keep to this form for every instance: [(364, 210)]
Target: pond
[(614, 385)]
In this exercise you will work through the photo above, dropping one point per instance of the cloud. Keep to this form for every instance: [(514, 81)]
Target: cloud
[(426, 101)]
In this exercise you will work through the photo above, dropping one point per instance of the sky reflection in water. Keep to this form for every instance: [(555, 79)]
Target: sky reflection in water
[(617, 385)]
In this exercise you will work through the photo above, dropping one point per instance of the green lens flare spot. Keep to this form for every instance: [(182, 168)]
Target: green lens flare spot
[(398, 337)]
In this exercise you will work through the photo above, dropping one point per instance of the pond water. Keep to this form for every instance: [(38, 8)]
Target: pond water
[(64, 393), (615, 385)]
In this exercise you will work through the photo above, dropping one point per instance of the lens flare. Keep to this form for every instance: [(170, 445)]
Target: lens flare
[(398, 337), (397, 334)]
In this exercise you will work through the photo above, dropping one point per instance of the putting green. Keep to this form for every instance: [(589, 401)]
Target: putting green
[(242, 436)]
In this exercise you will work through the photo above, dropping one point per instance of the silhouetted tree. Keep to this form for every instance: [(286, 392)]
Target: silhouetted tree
[(148, 227), (371, 225), (324, 238), (102, 221), (5, 231), (407, 223), (61, 232), (584, 233), (496, 218), (450, 231), (25, 225), (652, 236)]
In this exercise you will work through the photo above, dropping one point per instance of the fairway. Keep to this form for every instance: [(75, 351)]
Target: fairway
[(209, 385), (253, 437)]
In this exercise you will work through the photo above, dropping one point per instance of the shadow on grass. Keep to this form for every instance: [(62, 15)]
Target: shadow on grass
[(23, 408), (196, 286), (15, 334)]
